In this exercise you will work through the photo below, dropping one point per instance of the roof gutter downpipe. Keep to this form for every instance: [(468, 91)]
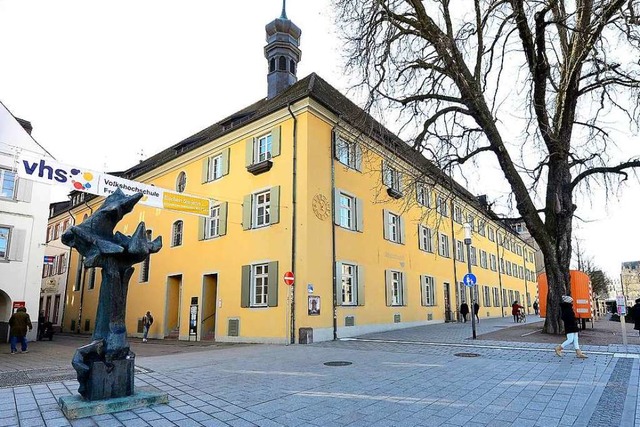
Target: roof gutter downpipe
[(293, 223)]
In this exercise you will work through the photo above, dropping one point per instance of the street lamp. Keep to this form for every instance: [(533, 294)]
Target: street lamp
[(467, 241)]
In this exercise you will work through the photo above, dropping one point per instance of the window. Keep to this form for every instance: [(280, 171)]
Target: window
[(347, 210), (521, 271), (282, 63), (443, 245), (483, 258), (348, 153), (263, 148), (4, 242), (492, 262), (459, 250), (504, 298), (471, 219), (91, 280), (61, 264), (441, 206), (486, 296), (215, 225), (519, 250), (492, 235), (423, 195), (428, 286), (181, 182), (395, 288), (511, 300), (144, 267), (425, 238), (501, 265), (482, 226), (348, 288), (457, 214), (261, 209), (508, 268), (176, 235), (259, 285), (496, 297), (7, 183), (393, 227), (391, 177), (518, 297), (215, 168), (473, 256)]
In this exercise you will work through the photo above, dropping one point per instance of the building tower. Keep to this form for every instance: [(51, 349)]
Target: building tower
[(282, 52)]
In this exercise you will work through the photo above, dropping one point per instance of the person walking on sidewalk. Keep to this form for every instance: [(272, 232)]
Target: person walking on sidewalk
[(535, 307), (515, 311), (476, 311), (19, 322), (147, 321), (464, 310), (635, 315), (570, 327)]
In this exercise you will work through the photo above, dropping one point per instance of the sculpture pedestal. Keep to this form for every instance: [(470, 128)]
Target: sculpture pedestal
[(74, 407), (117, 383)]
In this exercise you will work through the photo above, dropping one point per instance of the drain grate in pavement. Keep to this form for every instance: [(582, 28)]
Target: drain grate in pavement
[(466, 354), (338, 363)]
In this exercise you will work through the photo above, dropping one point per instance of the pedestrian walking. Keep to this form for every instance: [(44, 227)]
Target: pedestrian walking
[(570, 327), (464, 310), (635, 315), (476, 310), (41, 320), (19, 322), (535, 306), (515, 311), (147, 321)]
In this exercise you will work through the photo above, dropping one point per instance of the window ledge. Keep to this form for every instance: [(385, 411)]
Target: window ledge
[(258, 168), (392, 192)]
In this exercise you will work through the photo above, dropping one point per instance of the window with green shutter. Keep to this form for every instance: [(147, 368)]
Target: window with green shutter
[(259, 287)]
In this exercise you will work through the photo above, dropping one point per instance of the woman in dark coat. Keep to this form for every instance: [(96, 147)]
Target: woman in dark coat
[(570, 327), (635, 315), (464, 310)]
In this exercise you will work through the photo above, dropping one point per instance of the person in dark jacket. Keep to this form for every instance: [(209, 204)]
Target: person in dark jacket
[(515, 311), (464, 310), (570, 327), (635, 315), (476, 310), (19, 322)]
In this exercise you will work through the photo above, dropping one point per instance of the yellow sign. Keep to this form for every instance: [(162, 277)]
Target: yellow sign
[(184, 203)]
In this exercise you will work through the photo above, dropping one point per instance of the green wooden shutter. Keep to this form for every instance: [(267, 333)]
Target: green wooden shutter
[(387, 287), (405, 296), (359, 215), (420, 241), (434, 300), (360, 273), (274, 205), (222, 228), (202, 223), (275, 141), (225, 161), (385, 224), (205, 169), (336, 206), (245, 290), (423, 296), (248, 154), (401, 220), (358, 152), (272, 291), (337, 283), (246, 212)]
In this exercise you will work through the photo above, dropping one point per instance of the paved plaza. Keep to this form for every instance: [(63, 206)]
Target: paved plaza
[(425, 376)]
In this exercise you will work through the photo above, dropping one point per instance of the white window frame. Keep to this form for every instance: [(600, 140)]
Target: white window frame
[(347, 212), (214, 171), (423, 195), (346, 152), (263, 148), (14, 186), (260, 285), (177, 233), (493, 263), (496, 296), (212, 223), (457, 213), (441, 206), (483, 258), (443, 245), (471, 219), (486, 296), (349, 284), (396, 287), (261, 208), (425, 234), (460, 256), (521, 272), (5, 234), (181, 182), (429, 290), (473, 255), (482, 226), (393, 222)]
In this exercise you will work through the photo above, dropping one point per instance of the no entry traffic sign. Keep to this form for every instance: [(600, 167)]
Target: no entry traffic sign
[(288, 278)]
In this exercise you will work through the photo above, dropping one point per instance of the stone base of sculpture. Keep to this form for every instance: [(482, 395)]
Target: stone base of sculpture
[(107, 381), (74, 407)]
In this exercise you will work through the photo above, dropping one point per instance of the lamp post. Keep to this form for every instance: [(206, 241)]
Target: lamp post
[(467, 242)]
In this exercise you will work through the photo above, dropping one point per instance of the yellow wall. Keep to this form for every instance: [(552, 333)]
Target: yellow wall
[(184, 267)]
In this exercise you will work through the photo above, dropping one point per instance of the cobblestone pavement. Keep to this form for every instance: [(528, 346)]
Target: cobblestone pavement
[(408, 377)]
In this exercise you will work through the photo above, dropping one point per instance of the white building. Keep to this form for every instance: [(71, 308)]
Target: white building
[(24, 209)]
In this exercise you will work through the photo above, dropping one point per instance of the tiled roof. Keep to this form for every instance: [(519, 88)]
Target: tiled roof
[(315, 87)]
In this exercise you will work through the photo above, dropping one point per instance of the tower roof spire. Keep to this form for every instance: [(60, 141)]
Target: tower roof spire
[(283, 15)]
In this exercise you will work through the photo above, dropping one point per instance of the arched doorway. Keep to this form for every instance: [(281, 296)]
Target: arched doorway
[(5, 313)]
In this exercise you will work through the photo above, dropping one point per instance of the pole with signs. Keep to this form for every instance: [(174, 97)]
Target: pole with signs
[(621, 306), (469, 279), (289, 280)]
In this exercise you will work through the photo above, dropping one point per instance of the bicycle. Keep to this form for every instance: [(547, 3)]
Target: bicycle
[(522, 318)]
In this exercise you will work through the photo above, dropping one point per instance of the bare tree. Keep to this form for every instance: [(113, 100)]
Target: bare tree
[(531, 84)]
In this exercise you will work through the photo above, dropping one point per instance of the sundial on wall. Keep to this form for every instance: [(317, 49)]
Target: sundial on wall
[(321, 207)]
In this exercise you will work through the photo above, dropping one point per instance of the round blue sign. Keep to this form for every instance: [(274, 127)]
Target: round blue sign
[(469, 280)]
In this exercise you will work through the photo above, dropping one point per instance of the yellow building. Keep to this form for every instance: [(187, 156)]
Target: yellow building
[(305, 181)]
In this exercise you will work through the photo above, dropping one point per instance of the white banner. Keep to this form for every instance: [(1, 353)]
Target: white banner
[(51, 172)]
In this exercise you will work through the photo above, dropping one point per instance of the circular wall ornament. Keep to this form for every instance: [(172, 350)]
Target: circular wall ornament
[(321, 207)]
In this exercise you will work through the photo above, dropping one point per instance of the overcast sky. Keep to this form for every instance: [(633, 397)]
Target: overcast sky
[(105, 83)]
